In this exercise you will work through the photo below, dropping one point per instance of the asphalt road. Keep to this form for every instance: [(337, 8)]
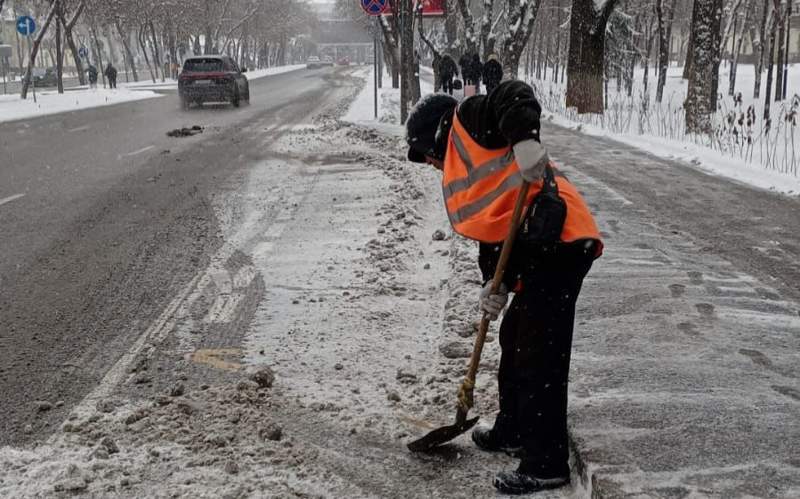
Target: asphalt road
[(103, 218)]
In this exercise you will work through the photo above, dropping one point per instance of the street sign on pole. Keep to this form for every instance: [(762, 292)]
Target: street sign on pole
[(374, 7), (26, 26)]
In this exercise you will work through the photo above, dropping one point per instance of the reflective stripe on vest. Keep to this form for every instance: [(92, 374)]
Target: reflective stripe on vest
[(480, 187)]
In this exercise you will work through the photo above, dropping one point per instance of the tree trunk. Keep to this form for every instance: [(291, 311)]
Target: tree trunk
[(450, 23), (35, 50), (701, 96), (127, 48), (143, 46), (156, 51), (59, 53), (779, 62), (665, 19), (737, 49), (76, 58), (98, 52), (785, 62), (586, 54), (689, 62), (648, 50), (773, 30), (471, 42), (521, 18), (759, 66), (406, 58)]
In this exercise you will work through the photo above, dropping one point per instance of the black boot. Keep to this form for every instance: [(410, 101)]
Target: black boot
[(515, 482), (487, 439)]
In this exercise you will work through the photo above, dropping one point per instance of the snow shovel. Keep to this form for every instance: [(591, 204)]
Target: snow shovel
[(445, 434)]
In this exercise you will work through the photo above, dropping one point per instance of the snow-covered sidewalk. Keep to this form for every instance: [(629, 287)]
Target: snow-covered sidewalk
[(51, 102)]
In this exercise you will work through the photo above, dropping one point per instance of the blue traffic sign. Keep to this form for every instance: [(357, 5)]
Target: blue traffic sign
[(83, 52), (26, 25), (373, 7)]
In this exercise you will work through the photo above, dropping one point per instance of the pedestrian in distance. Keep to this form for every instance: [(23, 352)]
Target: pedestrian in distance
[(465, 62), (447, 71), (111, 74), (477, 70), (485, 147), (92, 72), (492, 73)]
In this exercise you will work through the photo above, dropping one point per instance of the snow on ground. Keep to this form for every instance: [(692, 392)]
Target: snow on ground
[(770, 161), (51, 102)]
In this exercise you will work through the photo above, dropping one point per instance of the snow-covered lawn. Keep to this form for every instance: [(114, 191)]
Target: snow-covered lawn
[(744, 146), (255, 74), (51, 102), (77, 98)]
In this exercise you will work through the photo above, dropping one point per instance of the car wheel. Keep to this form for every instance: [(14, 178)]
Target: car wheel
[(235, 98), (185, 103), (247, 94)]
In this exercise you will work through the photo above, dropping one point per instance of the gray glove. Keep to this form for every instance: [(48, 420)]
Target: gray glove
[(531, 157), (494, 304)]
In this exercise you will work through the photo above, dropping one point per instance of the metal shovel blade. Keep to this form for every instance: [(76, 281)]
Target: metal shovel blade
[(441, 436)]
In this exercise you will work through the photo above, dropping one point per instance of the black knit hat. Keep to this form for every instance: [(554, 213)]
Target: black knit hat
[(422, 124)]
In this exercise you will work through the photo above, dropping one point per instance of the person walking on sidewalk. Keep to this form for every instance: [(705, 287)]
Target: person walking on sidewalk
[(447, 71), (485, 147), (92, 72), (476, 68), (492, 73), (111, 74)]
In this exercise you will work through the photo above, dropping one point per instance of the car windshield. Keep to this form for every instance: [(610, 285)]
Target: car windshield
[(202, 65)]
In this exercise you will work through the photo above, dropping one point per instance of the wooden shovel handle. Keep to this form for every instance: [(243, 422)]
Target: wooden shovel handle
[(499, 271)]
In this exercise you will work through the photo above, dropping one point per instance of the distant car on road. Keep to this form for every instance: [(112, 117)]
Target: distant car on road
[(313, 62), (327, 61), (45, 77), (212, 78), (343, 61)]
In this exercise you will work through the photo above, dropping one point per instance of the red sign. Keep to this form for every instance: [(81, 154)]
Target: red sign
[(430, 8)]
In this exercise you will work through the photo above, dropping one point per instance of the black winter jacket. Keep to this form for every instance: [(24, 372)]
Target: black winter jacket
[(492, 73)]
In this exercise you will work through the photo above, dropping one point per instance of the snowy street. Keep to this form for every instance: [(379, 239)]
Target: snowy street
[(275, 306)]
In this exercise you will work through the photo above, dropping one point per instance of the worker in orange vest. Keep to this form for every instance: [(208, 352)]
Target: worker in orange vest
[(485, 147)]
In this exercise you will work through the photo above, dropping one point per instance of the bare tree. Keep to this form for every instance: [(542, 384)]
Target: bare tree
[(702, 92), (587, 54), (773, 30), (68, 26), (759, 47), (737, 49), (665, 13), (51, 13)]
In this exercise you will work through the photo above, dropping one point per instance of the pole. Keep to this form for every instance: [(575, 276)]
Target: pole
[(380, 62), (4, 62), (375, 64), (30, 57)]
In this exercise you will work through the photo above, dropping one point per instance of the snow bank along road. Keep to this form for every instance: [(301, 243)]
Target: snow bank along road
[(148, 283)]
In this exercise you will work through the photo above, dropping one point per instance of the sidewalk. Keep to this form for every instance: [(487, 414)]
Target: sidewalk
[(685, 367)]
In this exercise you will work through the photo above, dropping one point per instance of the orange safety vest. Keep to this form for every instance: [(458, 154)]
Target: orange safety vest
[(481, 186)]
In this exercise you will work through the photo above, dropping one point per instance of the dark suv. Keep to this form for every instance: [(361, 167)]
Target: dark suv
[(212, 78)]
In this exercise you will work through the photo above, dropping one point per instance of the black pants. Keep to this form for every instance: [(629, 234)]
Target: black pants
[(447, 84), (536, 341), (112, 82)]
